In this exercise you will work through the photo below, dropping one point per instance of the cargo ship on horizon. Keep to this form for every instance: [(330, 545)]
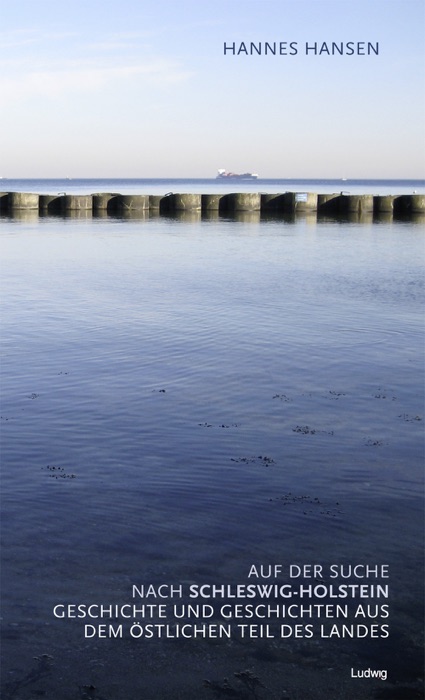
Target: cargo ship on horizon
[(223, 175)]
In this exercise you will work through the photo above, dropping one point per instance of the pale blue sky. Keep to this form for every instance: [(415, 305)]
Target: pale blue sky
[(133, 88)]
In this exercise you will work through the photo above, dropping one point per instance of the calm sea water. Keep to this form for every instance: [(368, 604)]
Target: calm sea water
[(184, 398)]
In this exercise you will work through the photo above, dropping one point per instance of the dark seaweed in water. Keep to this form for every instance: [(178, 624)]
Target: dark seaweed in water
[(41, 670), (248, 686)]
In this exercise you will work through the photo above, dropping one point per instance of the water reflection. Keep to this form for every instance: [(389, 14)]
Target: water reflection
[(248, 217)]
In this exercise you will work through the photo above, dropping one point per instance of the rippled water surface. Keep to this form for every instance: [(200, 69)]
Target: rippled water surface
[(183, 398)]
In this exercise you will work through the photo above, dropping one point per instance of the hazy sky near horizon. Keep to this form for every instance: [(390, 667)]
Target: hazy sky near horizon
[(143, 89)]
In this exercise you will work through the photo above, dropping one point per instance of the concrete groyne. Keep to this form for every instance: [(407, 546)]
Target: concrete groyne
[(232, 204)]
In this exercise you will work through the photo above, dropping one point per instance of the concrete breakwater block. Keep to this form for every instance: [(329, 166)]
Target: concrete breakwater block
[(289, 202), (180, 202), (155, 201), (383, 204), (355, 203), (101, 200), (409, 204), (328, 203), (4, 201), (71, 202), (272, 202), (240, 201), (418, 203), (23, 200), (128, 202), (299, 201), (64, 204), (211, 202), (50, 204), (345, 203)]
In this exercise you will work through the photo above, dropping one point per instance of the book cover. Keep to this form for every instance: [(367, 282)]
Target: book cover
[(212, 394)]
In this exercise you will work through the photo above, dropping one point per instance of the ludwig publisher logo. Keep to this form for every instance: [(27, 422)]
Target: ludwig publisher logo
[(382, 674)]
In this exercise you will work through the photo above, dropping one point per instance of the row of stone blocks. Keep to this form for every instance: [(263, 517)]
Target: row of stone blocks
[(287, 202)]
